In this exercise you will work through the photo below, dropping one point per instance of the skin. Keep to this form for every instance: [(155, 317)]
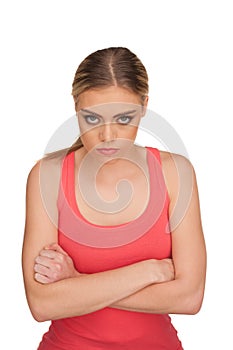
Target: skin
[(153, 286)]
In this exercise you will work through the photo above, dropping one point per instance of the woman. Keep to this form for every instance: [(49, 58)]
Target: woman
[(108, 268)]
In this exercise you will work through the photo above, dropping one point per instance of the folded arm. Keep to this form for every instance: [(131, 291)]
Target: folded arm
[(135, 287), (184, 293), (76, 295)]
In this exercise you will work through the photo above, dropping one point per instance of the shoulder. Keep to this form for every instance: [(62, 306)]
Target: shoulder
[(172, 163), (42, 188), (46, 162), (44, 172), (169, 159), (178, 171), (34, 174)]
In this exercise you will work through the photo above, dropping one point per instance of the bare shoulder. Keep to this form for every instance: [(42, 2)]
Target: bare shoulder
[(43, 185), (178, 171), (173, 164), (44, 168), (33, 178), (169, 160)]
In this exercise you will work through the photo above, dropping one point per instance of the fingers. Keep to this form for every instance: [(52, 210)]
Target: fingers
[(53, 264), (170, 263), (41, 269), (51, 254), (45, 271), (48, 266), (41, 278)]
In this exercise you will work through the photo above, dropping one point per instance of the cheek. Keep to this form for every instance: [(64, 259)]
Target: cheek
[(89, 138), (129, 133)]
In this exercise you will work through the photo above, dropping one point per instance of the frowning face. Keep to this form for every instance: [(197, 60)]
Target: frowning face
[(108, 120)]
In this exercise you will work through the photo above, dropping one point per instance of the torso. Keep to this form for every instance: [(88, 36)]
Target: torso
[(95, 249)]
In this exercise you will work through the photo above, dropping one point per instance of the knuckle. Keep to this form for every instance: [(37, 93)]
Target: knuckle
[(36, 267), (55, 275), (62, 258), (38, 277), (43, 253), (58, 267)]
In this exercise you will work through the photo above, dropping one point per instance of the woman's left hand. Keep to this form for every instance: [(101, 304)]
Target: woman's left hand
[(54, 264)]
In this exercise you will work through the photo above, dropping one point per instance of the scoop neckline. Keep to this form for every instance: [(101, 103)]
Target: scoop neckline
[(128, 223)]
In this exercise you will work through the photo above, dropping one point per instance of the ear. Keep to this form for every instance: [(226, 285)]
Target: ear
[(144, 107)]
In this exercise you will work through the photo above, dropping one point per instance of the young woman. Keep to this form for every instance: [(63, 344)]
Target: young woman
[(112, 244)]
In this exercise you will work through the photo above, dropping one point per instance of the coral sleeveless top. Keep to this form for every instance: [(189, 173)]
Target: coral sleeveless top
[(96, 248)]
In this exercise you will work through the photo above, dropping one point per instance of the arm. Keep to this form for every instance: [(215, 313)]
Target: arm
[(72, 296), (185, 293), (54, 264)]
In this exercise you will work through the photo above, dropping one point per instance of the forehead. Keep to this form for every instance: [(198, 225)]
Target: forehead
[(110, 97)]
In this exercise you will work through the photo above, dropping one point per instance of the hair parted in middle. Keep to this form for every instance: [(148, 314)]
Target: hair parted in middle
[(114, 66)]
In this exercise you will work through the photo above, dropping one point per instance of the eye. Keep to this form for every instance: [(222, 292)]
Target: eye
[(124, 119), (92, 119)]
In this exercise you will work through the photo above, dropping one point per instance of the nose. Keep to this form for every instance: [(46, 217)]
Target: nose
[(107, 132)]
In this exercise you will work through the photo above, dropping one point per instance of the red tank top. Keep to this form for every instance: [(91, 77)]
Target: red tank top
[(96, 248)]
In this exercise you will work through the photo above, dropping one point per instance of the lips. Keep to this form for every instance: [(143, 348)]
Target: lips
[(107, 151)]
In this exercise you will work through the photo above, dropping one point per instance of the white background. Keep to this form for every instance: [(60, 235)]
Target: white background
[(186, 47)]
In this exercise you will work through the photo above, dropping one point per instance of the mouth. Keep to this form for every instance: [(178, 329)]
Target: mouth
[(107, 151)]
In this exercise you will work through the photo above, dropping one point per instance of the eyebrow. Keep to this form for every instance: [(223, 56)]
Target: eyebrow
[(115, 116)]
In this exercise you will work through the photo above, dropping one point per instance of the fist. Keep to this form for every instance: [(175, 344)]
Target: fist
[(53, 264)]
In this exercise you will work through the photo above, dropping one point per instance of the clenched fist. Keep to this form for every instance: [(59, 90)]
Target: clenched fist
[(53, 264)]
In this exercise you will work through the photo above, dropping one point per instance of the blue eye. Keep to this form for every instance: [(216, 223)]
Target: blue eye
[(91, 119), (124, 119)]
